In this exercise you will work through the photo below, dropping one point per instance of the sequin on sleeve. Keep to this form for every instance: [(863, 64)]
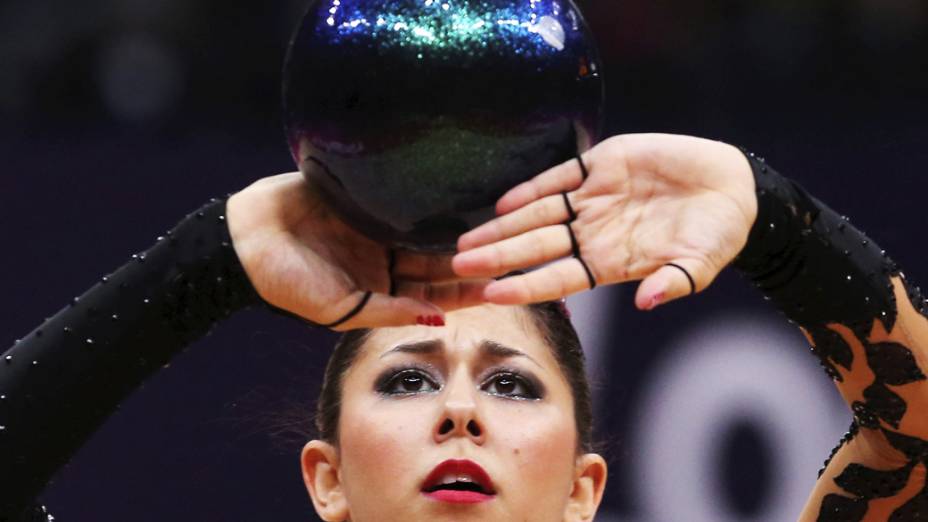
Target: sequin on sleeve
[(62, 380), (867, 326)]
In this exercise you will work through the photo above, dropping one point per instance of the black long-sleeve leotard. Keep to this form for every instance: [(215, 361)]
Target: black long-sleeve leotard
[(867, 326), (60, 382)]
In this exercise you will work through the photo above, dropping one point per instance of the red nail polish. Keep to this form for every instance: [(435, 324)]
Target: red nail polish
[(436, 320), (421, 320), (656, 299)]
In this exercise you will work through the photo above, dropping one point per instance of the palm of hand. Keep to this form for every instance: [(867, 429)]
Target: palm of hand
[(649, 200), (293, 249), (302, 258), (322, 264)]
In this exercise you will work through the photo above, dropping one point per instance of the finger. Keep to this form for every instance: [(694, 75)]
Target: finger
[(448, 296), (563, 178), (527, 250), (423, 267), (543, 212), (668, 283), (552, 282), (383, 311)]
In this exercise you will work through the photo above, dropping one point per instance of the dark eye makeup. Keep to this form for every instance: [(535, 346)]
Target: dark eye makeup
[(512, 384), (408, 380)]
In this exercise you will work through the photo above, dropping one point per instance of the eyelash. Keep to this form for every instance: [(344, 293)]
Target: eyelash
[(530, 389), (391, 381)]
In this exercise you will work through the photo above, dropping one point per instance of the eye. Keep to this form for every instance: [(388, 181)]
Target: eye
[(508, 384), (408, 382)]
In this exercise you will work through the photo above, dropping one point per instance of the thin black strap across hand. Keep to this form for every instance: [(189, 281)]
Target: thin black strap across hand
[(575, 248), (583, 172), (391, 265), (687, 274), (354, 311), (571, 217)]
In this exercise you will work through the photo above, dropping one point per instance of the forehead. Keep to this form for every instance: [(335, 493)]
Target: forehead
[(465, 329)]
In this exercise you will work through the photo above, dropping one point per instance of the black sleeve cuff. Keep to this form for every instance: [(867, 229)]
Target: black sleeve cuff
[(811, 262)]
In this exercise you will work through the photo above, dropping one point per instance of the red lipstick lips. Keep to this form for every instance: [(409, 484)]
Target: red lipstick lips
[(459, 482)]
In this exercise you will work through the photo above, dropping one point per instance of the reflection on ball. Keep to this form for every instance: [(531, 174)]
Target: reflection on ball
[(415, 116)]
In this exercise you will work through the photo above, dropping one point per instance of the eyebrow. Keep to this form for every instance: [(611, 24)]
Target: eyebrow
[(487, 347)]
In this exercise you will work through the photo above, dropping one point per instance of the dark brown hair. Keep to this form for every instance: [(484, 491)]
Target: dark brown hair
[(552, 323)]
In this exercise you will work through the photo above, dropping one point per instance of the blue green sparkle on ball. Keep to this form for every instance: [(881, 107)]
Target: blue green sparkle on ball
[(414, 116)]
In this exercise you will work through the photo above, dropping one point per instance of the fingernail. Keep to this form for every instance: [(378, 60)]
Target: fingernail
[(431, 320), (656, 299)]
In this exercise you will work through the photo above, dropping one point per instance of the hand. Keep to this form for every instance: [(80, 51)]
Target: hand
[(650, 199), (300, 257)]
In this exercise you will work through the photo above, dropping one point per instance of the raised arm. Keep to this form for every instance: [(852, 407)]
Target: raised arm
[(274, 239), (673, 211), (866, 324), (61, 381)]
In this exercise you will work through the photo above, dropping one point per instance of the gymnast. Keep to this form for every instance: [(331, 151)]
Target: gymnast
[(459, 394)]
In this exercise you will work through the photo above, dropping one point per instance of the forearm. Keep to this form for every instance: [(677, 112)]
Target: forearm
[(812, 263), (839, 286), (866, 325), (60, 382)]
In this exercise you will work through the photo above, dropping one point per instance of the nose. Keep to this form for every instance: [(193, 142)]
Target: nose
[(460, 413)]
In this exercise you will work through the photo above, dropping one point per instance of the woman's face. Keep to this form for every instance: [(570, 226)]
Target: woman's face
[(470, 421)]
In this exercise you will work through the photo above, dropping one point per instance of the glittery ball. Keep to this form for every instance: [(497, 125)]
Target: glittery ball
[(414, 116)]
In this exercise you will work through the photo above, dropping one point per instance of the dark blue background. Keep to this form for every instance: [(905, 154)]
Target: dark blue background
[(834, 94)]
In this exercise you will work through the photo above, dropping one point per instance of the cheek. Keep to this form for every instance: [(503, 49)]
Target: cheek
[(540, 443), (381, 446)]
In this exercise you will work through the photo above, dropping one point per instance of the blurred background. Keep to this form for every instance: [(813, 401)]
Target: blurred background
[(118, 117)]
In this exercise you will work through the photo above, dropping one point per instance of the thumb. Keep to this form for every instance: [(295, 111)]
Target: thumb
[(676, 279), (383, 310)]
